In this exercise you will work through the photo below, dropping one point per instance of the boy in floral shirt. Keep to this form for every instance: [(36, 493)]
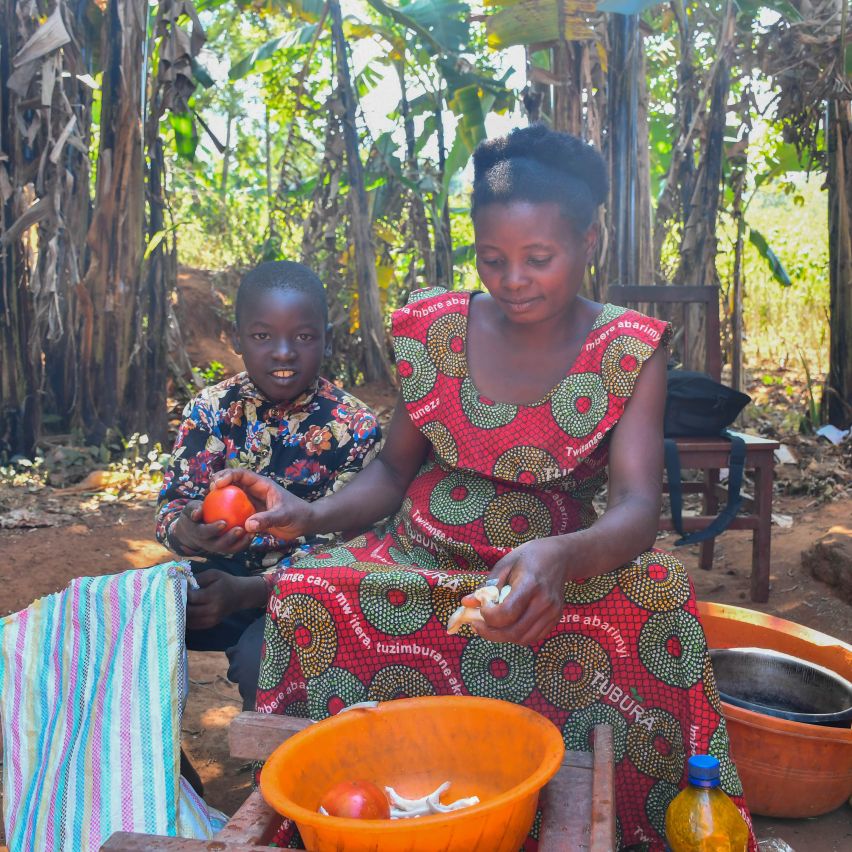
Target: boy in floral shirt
[(279, 418)]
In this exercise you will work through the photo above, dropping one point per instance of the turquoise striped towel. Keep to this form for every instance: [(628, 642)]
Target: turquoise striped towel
[(93, 681)]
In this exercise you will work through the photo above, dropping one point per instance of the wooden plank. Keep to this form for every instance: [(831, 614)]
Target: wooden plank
[(254, 822), (666, 294), (123, 841), (254, 736), (694, 523), (567, 805), (603, 792)]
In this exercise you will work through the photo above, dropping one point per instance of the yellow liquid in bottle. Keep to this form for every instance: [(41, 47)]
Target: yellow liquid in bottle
[(702, 819)]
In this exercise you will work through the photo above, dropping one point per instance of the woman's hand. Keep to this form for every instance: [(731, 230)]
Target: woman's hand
[(280, 513), (193, 536), (537, 572)]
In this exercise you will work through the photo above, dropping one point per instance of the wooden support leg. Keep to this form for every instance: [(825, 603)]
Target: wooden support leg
[(762, 537), (711, 507), (603, 792)]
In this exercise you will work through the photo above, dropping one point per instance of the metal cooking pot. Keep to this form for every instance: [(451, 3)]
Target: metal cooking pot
[(783, 686)]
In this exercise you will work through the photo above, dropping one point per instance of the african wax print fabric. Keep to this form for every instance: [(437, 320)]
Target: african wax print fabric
[(367, 620)]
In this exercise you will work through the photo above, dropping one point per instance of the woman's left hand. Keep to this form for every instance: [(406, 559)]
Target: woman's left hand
[(537, 572)]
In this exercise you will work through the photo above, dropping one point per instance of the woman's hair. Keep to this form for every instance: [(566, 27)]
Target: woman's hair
[(541, 165), (282, 275)]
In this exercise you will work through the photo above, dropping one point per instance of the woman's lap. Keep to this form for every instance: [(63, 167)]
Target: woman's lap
[(629, 651)]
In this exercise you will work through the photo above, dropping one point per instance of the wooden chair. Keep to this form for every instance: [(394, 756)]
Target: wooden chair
[(711, 454), (579, 801)]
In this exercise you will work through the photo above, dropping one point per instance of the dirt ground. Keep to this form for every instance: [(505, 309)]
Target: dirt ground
[(90, 535)]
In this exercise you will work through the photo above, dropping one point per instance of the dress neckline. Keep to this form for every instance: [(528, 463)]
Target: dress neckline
[(603, 316)]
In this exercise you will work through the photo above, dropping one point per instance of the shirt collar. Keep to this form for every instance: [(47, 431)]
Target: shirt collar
[(249, 390)]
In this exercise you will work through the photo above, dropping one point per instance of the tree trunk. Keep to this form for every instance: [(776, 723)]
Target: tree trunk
[(112, 282), (840, 261), (441, 220), (375, 361), (623, 106), (417, 215), (698, 246)]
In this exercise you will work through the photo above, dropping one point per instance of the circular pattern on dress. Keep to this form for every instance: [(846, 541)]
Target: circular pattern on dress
[(672, 647), (621, 363), (483, 412), (515, 517), (577, 730), (526, 465), (590, 590), (655, 581), (399, 681), (276, 656), (578, 404), (308, 627), (657, 752), (426, 293), (445, 341), (333, 690), (396, 602), (729, 778), (708, 681), (446, 597), (498, 670), (565, 670), (443, 442), (657, 803), (417, 373), (358, 541), (459, 499), (331, 558), (461, 556)]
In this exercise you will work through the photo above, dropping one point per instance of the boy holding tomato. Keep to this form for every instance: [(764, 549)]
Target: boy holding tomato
[(278, 418)]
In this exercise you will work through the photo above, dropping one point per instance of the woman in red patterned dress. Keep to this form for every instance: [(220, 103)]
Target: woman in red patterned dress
[(516, 404)]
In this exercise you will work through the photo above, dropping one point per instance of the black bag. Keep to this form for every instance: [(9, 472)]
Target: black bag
[(698, 406)]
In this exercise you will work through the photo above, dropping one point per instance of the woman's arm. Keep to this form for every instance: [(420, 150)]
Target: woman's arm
[(538, 570), (373, 494), (628, 527)]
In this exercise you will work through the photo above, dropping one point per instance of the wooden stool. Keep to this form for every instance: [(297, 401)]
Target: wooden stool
[(578, 802)]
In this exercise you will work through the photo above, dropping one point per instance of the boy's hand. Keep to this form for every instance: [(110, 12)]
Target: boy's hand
[(194, 535), (219, 595), (537, 572), (282, 515)]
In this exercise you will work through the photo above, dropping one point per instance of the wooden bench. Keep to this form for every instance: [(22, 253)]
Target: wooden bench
[(578, 802), (710, 455)]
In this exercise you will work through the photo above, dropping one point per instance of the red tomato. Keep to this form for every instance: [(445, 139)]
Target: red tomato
[(356, 800), (229, 504)]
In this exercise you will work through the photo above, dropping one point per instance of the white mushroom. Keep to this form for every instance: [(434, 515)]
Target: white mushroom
[(402, 808), (488, 595)]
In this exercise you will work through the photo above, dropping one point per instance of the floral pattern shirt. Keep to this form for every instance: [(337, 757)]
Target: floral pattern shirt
[(311, 446)]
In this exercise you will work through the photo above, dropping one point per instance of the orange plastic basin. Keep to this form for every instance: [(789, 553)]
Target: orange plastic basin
[(501, 752), (788, 769)]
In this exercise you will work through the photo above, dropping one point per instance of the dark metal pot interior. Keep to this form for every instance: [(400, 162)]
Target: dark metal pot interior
[(783, 686)]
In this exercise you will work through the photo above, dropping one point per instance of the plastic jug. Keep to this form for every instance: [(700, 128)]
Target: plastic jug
[(701, 818)]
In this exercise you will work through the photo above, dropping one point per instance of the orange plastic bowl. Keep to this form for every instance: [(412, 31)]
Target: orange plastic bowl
[(788, 769), (501, 752)]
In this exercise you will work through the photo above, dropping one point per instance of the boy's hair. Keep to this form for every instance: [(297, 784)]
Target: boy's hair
[(541, 165), (282, 275)]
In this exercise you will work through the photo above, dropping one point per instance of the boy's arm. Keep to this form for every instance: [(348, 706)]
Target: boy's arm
[(186, 478)]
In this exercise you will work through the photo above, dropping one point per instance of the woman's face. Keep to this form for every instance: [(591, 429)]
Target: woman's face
[(530, 258)]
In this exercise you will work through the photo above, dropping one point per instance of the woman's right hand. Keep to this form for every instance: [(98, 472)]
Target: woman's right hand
[(280, 513)]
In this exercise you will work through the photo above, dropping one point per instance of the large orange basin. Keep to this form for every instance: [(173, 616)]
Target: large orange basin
[(788, 769), (503, 753)]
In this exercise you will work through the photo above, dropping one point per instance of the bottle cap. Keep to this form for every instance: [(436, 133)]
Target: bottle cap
[(703, 770)]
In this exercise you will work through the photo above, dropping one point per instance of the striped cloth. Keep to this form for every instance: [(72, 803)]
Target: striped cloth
[(93, 682)]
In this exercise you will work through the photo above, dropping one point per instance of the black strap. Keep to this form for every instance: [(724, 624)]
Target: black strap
[(736, 464)]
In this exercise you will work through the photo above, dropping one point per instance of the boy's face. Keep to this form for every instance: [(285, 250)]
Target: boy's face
[(281, 337)]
